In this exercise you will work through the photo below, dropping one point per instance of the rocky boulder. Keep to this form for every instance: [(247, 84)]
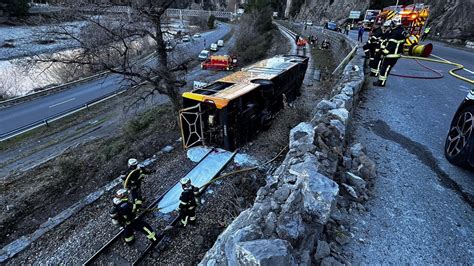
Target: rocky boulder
[(264, 252)]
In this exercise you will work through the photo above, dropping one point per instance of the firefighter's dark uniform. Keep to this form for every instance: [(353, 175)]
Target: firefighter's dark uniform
[(391, 52), (122, 214), (133, 181), (188, 201), (374, 53)]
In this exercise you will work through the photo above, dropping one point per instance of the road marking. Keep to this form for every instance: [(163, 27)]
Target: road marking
[(463, 88), (66, 101), (465, 69)]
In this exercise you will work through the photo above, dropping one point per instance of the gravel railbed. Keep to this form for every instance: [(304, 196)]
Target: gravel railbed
[(81, 235)]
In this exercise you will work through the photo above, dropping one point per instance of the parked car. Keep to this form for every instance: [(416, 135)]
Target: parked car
[(220, 43), (309, 23), (169, 46), (459, 145), (186, 38), (332, 26), (197, 35), (204, 54), (214, 47)]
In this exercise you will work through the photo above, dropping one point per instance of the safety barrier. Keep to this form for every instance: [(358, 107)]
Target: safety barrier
[(50, 119)]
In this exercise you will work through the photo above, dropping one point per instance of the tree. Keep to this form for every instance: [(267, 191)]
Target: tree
[(114, 43), (211, 21), (17, 8)]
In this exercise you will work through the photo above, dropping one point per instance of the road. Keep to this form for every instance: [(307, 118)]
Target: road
[(421, 208), (23, 114)]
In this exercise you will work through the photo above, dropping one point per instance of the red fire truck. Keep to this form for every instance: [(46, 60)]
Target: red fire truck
[(413, 18), (219, 62)]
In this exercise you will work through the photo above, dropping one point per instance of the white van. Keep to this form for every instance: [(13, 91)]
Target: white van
[(204, 55), (220, 43), (214, 47)]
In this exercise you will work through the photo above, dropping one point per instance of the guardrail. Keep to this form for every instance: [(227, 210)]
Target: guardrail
[(28, 97), (345, 60), (45, 122)]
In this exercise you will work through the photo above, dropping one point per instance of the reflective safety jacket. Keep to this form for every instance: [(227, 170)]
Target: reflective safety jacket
[(376, 37), (122, 214), (393, 44), (189, 198), (134, 178)]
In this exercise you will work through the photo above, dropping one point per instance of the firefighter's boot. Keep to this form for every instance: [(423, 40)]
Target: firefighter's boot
[(378, 83)]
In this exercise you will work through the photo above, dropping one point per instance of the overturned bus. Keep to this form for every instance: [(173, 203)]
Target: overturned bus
[(231, 111)]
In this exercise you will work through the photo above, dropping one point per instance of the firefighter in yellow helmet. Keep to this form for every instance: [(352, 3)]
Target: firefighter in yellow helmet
[(133, 180), (122, 214), (188, 201), (391, 51)]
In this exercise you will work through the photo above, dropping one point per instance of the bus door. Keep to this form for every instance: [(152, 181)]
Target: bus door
[(191, 126)]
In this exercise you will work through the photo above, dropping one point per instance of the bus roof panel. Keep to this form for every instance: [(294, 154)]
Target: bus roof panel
[(240, 83)]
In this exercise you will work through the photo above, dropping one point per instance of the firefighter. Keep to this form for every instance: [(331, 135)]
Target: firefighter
[(133, 181), (391, 51), (325, 44), (122, 214), (188, 201), (425, 33), (371, 44), (376, 39)]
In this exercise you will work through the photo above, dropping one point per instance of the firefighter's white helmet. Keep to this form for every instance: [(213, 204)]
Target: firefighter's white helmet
[(132, 162), (119, 195), (387, 23), (185, 181)]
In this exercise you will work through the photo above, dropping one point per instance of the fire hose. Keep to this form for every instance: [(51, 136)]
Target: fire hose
[(224, 176), (440, 75)]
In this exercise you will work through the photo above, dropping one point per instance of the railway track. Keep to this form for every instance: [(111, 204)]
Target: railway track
[(211, 164)]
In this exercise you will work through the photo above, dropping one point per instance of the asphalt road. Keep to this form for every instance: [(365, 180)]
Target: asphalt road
[(422, 207), (23, 114)]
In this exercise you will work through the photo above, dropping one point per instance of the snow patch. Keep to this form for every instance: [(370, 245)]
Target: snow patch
[(195, 154), (242, 159)]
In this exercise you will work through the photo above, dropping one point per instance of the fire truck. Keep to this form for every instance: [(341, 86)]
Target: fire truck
[(413, 18), (219, 62)]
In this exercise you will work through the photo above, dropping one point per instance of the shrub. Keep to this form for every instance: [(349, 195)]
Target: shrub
[(70, 168)]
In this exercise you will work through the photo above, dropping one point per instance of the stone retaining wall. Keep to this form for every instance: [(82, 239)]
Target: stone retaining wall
[(288, 216)]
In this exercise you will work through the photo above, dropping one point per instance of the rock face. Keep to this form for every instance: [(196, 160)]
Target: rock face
[(450, 18), (274, 252)]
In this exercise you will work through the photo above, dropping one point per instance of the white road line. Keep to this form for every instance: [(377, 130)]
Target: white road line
[(66, 101), (440, 58), (463, 88)]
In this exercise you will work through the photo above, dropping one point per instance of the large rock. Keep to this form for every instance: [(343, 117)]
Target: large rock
[(302, 134), (264, 252), (341, 114), (302, 168), (290, 227), (325, 105), (223, 250), (330, 261), (356, 181), (301, 139), (322, 250), (319, 193), (357, 150)]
